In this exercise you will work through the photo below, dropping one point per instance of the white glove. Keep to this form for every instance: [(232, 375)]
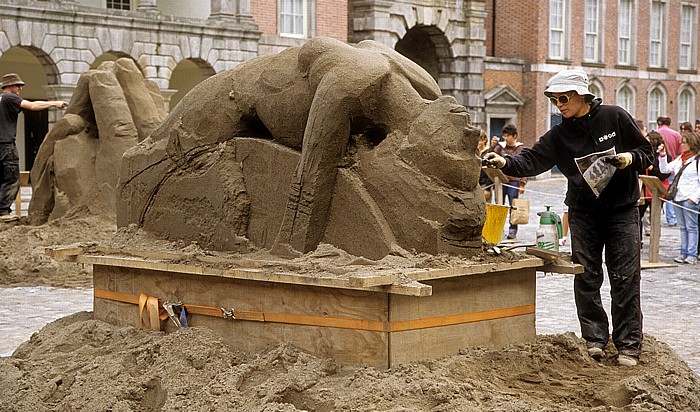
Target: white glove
[(493, 160), (620, 161)]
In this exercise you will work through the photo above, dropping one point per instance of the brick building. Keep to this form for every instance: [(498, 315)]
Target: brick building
[(640, 54), (494, 56)]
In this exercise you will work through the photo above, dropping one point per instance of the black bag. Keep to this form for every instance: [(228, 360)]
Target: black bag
[(673, 189)]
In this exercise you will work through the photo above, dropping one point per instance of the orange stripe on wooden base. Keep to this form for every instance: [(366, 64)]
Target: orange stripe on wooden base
[(342, 323)]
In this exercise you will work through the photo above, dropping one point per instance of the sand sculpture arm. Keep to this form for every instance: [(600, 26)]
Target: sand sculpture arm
[(111, 110)]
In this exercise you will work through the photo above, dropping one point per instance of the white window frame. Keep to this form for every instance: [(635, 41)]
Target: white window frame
[(657, 33), (688, 33), (625, 98), (656, 105), (686, 105), (591, 31), (626, 38), (558, 35), (118, 4), (293, 18), (596, 87)]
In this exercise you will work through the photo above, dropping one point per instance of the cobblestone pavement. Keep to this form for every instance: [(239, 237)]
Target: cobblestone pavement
[(670, 300)]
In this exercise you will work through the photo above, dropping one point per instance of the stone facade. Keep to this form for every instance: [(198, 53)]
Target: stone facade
[(68, 38)]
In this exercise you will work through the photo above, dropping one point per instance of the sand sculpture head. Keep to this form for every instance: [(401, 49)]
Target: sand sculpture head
[(326, 142)]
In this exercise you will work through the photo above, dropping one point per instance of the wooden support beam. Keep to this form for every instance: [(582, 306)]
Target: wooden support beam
[(657, 190), (498, 178)]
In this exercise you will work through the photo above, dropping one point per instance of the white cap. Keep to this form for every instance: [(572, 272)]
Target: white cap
[(569, 80)]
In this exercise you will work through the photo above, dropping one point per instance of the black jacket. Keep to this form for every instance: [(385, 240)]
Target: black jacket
[(603, 128)]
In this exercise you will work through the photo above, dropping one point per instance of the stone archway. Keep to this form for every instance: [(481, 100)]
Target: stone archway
[(427, 46), (111, 56), (187, 74)]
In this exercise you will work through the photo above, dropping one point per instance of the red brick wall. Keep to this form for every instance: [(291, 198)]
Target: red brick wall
[(331, 17), (521, 31), (519, 28), (265, 14)]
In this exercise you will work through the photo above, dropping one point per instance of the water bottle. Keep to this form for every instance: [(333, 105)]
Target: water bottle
[(549, 232)]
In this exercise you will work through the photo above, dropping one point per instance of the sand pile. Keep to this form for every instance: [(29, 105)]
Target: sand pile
[(77, 363)]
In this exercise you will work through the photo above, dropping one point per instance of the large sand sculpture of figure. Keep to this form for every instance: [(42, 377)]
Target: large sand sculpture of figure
[(353, 146)]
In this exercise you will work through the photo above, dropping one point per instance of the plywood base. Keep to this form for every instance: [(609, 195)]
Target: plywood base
[(354, 326)]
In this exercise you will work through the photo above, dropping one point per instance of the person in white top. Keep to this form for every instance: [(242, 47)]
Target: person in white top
[(687, 198)]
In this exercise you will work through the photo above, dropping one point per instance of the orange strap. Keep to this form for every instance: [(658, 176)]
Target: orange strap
[(148, 306), (323, 321)]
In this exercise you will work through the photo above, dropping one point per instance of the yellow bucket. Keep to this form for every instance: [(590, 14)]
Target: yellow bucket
[(495, 221)]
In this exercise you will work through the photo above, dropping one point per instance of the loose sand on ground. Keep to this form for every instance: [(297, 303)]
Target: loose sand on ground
[(77, 363)]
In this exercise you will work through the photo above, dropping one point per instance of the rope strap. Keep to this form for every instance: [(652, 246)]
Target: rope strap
[(150, 305)]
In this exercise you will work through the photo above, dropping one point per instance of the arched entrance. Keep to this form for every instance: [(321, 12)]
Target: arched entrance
[(37, 71), (427, 46), (187, 74), (110, 57)]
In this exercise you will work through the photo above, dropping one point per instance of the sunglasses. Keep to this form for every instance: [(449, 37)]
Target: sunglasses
[(563, 99)]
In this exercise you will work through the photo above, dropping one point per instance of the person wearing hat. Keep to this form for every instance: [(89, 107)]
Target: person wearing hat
[(10, 105), (600, 150)]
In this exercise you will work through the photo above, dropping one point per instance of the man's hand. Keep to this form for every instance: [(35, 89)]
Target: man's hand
[(620, 161), (493, 160)]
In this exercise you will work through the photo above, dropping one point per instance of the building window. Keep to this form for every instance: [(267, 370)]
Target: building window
[(656, 106), (293, 18), (686, 103), (118, 4), (591, 41), (688, 32), (657, 30), (625, 99), (625, 32), (596, 88), (557, 31)]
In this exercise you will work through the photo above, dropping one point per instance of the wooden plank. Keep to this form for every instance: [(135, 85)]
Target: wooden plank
[(465, 295), (656, 189), (656, 265), (498, 178), (563, 267), (67, 253), (329, 281), (547, 255), (345, 345)]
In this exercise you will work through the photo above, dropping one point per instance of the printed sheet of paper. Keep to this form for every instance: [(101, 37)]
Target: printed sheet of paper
[(595, 171)]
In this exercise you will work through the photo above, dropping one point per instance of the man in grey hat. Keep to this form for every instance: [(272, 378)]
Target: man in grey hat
[(600, 150), (10, 105)]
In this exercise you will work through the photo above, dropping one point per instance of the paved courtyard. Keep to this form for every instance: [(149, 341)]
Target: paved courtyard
[(670, 300)]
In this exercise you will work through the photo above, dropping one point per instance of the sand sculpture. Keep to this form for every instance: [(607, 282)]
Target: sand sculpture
[(77, 166), (352, 146)]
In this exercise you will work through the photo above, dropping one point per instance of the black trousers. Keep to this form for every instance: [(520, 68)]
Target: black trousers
[(616, 232), (9, 176)]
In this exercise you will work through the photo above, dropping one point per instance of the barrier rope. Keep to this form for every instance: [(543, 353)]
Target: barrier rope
[(564, 196)]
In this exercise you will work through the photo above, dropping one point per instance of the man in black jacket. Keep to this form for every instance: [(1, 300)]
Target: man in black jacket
[(600, 150)]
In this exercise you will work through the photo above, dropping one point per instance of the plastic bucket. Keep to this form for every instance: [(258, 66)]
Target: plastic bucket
[(495, 221)]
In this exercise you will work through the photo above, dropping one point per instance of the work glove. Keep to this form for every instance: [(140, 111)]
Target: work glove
[(620, 161), (493, 160)]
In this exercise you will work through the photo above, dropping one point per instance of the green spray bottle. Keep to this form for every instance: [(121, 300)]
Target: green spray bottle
[(549, 232)]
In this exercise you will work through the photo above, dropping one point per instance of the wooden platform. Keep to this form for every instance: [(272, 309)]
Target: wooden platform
[(375, 317)]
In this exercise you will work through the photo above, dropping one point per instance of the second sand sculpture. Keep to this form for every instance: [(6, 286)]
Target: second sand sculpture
[(348, 145)]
